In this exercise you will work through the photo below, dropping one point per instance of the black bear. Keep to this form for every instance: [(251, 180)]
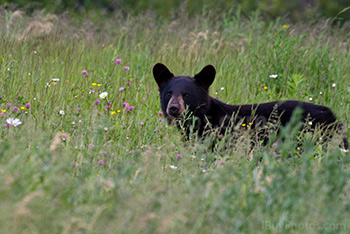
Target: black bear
[(185, 94)]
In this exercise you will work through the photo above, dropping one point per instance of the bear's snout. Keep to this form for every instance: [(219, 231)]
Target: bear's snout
[(176, 106)]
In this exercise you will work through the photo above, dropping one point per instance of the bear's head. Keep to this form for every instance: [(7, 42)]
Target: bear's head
[(179, 94)]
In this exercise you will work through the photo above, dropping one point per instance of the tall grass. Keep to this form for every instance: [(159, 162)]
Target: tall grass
[(99, 170)]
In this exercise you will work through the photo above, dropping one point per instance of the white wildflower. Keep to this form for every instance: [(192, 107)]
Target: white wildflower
[(103, 95), (173, 167), (344, 150), (62, 112), (273, 76), (13, 122), (333, 85), (55, 79)]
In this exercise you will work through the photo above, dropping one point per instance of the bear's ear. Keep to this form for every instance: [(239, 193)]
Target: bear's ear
[(206, 76), (161, 74)]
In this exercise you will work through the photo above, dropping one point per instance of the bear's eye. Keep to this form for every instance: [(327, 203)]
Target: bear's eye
[(186, 94), (169, 93)]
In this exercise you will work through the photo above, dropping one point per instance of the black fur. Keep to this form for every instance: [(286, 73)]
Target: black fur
[(194, 91)]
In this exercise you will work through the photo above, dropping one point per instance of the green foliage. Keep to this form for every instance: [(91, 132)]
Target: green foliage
[(95, 171), (301, 10)]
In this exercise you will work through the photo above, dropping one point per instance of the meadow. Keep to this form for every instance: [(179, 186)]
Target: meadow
[(92, 153)]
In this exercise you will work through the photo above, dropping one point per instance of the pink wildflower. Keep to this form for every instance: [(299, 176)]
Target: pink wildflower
[(97, 102), (108, 107), (101, 162), (27, 105), (127, 68), (85, 73), (179, 156), (118, 61), (15, 109), (142, 123), (121, 89), (160, 120), (8, 105), (125, 105), (131, 108), (160, 113), (129, 83)]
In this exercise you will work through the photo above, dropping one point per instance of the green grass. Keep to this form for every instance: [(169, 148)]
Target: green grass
[(134, 189)]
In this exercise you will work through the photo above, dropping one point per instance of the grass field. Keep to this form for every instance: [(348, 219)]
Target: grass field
[(84, 162)]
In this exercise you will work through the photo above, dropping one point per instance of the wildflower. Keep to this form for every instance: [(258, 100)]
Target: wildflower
[(93, 84), (222, 88), (179, 156), (73, 122), (101, 162), (118, 111), (173, 167), (75, 164), (8, 105), (13, 122), (97, 101), (62, 112), (131, 108), (3, 111), (23, 108), (91, 146), (285, 26), (142, 123), (47, 85), (118, 61), (265, 87), (129, 84), (103, 95), (160, 113), (148, 151), (333, 85), (27, 105), (127, 68), (310, 98), (160, 120), (307, 85), (192, 157), (310, 123), (344, 150), (273, 76), (84, 73), (321, 93), (125, 105), (99, 85), (108, 107), (55, 79), (121, 89), (112, 112), (106, 129), (15, 109)]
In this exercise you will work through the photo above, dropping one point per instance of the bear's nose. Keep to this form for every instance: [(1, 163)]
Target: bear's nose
[(174, 110)]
